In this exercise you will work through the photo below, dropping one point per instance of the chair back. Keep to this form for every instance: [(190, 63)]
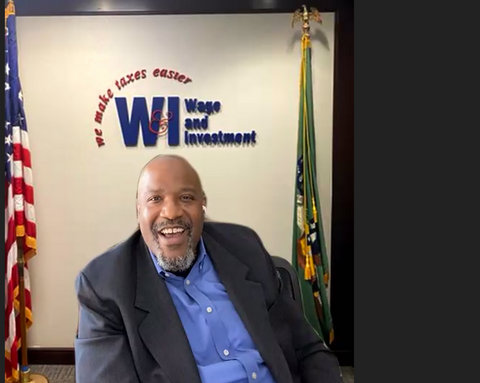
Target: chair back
[(288, 278)]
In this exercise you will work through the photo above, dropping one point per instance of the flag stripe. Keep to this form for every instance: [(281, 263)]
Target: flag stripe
[(27, 176), (23, 192), (21, 153)]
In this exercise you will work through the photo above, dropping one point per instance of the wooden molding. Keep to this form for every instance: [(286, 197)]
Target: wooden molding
[(66, 355), (56, 355)]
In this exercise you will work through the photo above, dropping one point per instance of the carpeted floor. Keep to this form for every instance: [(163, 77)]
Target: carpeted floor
[(55, 373), (347, 372), (66, 373)]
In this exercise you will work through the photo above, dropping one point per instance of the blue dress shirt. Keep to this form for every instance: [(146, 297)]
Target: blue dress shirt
[(221, 345)]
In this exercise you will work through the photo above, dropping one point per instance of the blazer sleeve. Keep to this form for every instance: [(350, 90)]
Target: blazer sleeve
[(102, 352)]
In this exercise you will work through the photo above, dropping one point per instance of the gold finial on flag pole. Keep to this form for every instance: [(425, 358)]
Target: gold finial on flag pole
[(9, 9), (304, 16)]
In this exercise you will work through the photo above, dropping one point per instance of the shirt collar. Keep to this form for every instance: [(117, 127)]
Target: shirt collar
[(201, 254)]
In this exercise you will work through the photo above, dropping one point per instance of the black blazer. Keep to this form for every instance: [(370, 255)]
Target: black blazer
[(129, 329)]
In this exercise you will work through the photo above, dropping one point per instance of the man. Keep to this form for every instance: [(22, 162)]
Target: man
[(186, 301)]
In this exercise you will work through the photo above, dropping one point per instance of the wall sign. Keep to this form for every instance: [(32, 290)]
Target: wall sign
[(164, 117)]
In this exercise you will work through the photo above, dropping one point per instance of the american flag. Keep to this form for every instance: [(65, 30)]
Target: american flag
[(19, 210)]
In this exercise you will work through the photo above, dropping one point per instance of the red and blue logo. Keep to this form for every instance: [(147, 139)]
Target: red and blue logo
[(163, 117)]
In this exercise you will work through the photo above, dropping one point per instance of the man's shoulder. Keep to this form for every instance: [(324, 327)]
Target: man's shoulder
[(233, 236), (222, 228), (112, 261)]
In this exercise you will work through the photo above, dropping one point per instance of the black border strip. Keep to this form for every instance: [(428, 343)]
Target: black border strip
[(342, 299), (155, 7)]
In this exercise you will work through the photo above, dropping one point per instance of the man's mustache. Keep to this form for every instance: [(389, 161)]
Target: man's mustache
[(156, 227)]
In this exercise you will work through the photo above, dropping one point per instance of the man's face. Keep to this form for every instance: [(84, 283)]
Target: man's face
[(169, 210)]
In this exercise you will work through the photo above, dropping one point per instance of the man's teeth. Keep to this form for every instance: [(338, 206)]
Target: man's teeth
[(172, 230)]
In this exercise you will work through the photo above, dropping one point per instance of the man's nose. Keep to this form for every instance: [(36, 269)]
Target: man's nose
[(171, 209)]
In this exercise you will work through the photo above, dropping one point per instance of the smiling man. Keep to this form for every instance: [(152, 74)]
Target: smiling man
[(183, 300), (170, 210)]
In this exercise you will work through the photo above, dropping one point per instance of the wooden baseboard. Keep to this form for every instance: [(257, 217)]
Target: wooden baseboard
[(66, 355), (57, 355)]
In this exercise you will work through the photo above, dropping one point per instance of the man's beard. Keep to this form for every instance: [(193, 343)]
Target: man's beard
[(177, 264)]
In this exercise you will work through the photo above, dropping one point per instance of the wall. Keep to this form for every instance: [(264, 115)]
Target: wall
[(85, 194)]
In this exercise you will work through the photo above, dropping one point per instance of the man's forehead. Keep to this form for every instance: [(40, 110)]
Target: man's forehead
[(169, 169), (168, 160)]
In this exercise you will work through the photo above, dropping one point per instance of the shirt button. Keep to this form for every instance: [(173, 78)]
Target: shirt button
[(226, 352), (187, 282), (209, 309), (254, 375), (167, 275)]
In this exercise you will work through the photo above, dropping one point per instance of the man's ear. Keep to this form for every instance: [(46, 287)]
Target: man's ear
[(204, 205)]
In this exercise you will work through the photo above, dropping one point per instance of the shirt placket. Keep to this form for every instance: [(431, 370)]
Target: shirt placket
[(218, 331)]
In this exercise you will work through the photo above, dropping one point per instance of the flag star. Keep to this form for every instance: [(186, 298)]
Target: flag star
[(8, 139), (7, 69), (20, 95), (9, 157), (7, 86)]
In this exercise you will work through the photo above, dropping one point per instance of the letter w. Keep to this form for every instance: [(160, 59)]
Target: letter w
[(139, 116)]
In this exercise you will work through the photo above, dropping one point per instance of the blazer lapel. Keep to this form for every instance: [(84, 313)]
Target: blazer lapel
[(248, 299), (161, 328)]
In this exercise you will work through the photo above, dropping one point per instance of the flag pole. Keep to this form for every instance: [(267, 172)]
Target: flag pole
[(21, 298), (309, 255), (25, 375)]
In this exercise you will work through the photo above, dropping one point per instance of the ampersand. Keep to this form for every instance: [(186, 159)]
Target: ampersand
[(162, 122)]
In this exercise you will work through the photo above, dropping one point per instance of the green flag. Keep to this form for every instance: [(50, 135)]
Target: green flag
[(309, 255)]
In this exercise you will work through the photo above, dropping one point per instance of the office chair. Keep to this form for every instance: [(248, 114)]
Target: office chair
[(288, 278)]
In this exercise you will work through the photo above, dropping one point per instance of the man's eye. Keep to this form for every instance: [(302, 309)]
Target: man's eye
[(187, 197), (154, 198)]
